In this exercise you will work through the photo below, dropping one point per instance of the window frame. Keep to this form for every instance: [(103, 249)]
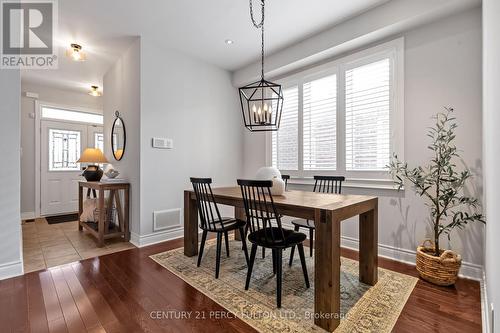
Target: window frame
[(394, 50)]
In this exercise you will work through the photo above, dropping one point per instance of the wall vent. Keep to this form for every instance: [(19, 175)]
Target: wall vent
[(166, 219)]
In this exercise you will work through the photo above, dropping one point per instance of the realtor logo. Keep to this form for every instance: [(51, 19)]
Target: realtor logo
[(28, 30)]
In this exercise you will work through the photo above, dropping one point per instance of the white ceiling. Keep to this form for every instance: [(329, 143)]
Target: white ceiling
[(195, 27)]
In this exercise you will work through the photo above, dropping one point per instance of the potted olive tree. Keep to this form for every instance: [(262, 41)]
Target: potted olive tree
[(441, 183)]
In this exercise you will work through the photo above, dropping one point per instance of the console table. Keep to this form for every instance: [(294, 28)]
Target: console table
[(102, 230)]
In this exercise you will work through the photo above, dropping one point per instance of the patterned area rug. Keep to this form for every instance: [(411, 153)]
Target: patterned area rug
[(363, 308)]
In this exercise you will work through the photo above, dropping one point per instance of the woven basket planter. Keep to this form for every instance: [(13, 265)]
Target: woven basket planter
[(442, 270)]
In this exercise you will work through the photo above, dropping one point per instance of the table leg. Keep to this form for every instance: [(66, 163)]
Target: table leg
[(119, 210), (102, 217), (80, 206), (327, 270), (239, 213), (368, 246), (109, 212), (190, 225)]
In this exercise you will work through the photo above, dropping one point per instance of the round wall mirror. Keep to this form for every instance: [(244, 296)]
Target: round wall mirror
[(118, 137)]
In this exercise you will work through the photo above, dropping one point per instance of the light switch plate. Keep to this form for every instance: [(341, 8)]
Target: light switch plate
[(163, 143)]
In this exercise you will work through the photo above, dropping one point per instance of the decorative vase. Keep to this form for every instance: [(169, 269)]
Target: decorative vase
[(267, 173), (442, 270), (111, 172), (278, 186)]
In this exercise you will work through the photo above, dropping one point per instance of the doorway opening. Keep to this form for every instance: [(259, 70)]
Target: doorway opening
[(64, 134)]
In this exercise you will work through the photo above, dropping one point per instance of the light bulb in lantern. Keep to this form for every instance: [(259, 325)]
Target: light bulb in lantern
[(254, 110), (266, 113)]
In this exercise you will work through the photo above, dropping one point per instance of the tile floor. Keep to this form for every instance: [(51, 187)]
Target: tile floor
[(48, 245)]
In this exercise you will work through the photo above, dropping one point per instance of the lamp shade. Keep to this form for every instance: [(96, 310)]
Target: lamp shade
[(92, 155)]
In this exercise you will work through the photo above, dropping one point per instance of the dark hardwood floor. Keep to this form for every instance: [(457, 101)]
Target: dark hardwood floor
[(118, 292)]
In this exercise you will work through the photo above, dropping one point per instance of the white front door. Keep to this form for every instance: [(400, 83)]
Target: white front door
[(61, 146)]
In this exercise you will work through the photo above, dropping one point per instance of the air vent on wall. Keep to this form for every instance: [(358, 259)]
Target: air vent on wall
[(166, 219)]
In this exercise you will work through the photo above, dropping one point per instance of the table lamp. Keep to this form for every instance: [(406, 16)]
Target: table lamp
[(92, 155)]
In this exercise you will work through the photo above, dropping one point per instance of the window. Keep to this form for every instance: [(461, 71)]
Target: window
[(64, 150), (367, 104), (320, 124), (344, 117), (99, 141), (286, 155), (60, 114)]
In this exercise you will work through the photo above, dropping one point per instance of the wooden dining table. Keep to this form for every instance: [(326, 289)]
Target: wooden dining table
[(327, 211)]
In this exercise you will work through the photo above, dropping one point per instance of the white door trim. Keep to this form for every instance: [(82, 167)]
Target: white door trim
[(38, 129), (38, 144)]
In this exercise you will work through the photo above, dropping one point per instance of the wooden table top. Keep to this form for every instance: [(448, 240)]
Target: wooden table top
[(104, 185), (302, 199)]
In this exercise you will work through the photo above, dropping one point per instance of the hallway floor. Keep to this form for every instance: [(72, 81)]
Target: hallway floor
[(48, 245)]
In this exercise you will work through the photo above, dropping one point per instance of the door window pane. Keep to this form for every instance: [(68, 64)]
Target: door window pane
[(59, 114), (99, 141), (64, 150)]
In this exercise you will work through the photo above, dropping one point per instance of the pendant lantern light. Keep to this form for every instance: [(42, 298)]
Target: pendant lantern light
[(261, 101)]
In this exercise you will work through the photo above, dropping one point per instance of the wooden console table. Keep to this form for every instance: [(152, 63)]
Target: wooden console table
[(102, 230)]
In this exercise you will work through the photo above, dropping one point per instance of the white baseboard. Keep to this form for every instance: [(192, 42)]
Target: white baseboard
[(468, 270), (27, 215), (11, 269), (156, 237)]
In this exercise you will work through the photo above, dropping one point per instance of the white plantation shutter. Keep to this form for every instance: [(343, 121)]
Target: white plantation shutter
[(320, 124), (285, 141), (367, 103)]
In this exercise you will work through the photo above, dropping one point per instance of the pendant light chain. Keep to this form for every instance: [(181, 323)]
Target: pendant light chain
[(261, 26), (261, 101)]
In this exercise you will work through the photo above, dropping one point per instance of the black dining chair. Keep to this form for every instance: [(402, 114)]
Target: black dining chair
[(211, 221), (285, 179), (322, 184), (260, 211)]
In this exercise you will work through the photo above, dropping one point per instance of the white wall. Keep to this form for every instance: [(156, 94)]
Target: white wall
[(10, 219), (194, 104), (122, 84), (442, 67), (51, 95), (491, 139)]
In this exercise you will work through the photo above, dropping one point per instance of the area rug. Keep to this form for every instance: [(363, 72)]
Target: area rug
[(364, 308)]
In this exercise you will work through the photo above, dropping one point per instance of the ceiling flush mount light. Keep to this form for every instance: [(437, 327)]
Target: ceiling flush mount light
[(94, 91), (75, 52), (229, 41), (261, 101)]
